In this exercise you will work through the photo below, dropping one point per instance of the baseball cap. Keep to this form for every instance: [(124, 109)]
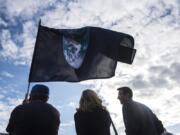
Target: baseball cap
[(39, 90)]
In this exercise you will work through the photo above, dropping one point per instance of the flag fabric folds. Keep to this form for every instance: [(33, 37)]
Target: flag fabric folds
[(75, 55)]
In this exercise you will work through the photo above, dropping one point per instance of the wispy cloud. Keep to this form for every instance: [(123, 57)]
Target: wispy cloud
[(6, 74), (67, 124)]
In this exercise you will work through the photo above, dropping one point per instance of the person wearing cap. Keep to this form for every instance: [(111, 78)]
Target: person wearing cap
[(138, 118), (36, 117)]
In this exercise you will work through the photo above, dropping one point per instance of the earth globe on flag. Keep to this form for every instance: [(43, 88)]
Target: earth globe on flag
[(74, 52)]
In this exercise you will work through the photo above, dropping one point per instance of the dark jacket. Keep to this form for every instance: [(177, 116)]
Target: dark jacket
[(140, 120), (96, 122), (36, 118)]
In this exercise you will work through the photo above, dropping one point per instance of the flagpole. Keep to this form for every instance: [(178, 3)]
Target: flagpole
[(34, 53), (27, 93)]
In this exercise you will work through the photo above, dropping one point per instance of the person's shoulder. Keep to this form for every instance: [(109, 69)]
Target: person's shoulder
[(138, 103), (21, 106), (18, 108), (78, 113), (133, 105), (92, 112), (142, 107), (102, 110), (52, 107), (44, 106), (95, 113)]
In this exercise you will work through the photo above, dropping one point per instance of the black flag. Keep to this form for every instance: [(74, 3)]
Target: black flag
[(75, 55)]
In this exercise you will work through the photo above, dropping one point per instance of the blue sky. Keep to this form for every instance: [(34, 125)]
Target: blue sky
[(154, 74)]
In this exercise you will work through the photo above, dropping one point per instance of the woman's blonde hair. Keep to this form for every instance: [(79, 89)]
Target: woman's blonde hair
[(89, 101)]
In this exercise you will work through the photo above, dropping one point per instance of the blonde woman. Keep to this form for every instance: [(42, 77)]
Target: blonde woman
[(91, 117)]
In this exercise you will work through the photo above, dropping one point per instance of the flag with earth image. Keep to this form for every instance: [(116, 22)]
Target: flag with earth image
[(74, 55)]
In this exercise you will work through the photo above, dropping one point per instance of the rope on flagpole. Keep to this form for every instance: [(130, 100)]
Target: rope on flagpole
[(116, 133), (114, 128)]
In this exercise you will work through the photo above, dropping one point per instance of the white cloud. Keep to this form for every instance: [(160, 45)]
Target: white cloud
[(9, 48), (7, 74), (2, 22), (26, 9), (73, 105), (20, 54), (28, 38), (67, 124), (1, 96)]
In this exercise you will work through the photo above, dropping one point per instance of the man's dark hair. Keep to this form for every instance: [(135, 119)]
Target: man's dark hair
[(39, 92), (126, 90)]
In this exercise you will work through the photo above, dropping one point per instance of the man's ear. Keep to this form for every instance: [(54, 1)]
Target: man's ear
[(128, 96), (47, 99)]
